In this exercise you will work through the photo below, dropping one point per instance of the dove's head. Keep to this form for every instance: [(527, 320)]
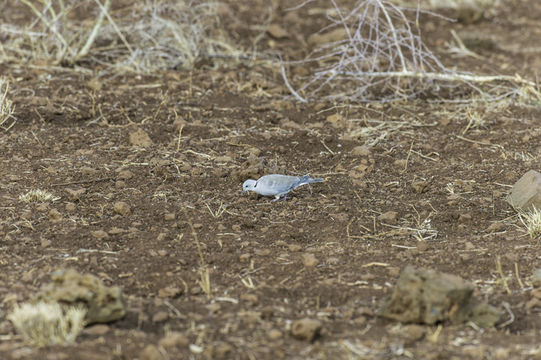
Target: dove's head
[(248, 185)]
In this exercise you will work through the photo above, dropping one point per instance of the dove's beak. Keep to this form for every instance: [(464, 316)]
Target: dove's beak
[(243, 191)]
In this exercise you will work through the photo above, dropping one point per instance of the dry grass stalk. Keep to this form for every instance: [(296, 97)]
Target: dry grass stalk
[(502, 276), (6, 106), (46, 324), (517, 274), (248, 282), (460, 50), (204, 272)]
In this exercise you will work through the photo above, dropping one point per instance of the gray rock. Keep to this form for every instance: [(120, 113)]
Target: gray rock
[(426, 296), (536, 278), (526, 193)]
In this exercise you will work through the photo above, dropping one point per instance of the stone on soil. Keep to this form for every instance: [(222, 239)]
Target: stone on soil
[(55, 216), (160, 316), (467, 12), (294, 248), (151, 352), (495, 227), (309, 260), (420, 186), (97, 330), (318, 39), (306, 329), (277, 32), (526, 193), (220, 350), (170, 292), (536, 278), (99, 234), (174, 339), (104, 304), (361, 151), (122, 208), (388, 217), (75, 195), (140, 138), (124, 175), (274, 334), (337, 120), (250, 299), (70, 207), (88, 171), (427, 297), (414, 332)]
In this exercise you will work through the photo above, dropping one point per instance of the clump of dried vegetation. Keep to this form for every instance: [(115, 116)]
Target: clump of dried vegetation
[(7, 120), (46, 324), (531, 220), (381, 57), (143, 37), (37, 195), (204, 271)]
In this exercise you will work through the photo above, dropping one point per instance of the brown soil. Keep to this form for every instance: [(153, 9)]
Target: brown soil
[(213, 128)]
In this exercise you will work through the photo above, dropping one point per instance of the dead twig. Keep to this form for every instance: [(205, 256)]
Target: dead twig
[(520, 283), (83, 182), (500, 271)]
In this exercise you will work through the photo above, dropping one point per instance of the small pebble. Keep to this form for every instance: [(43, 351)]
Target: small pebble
[(309, 260), (122, 208), (274, 334), (306, 329)]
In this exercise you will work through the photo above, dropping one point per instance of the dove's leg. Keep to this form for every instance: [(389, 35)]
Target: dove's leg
[(279, 197)]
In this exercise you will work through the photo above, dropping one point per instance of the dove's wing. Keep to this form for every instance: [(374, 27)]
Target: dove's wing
[(276, 184)]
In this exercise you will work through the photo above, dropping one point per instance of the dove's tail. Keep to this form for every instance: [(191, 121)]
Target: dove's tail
[(306, 179)]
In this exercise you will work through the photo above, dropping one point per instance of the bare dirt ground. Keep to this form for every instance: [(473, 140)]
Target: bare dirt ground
[(214, 127)]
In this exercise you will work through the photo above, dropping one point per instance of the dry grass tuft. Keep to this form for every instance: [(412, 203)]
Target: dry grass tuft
[(144, 37), (6, 106), (166, 34), (53, 35), (36, 195), (46, 324), (532, 222), (529, 94), (381, 57), (204, 271), (476, 120)]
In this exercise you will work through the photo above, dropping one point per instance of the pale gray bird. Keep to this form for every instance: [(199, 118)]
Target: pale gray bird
[(277, 185)]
